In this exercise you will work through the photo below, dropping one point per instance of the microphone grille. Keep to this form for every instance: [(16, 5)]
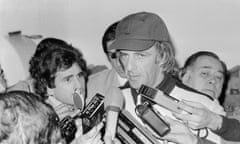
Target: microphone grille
[(114, 98), (78, 100)]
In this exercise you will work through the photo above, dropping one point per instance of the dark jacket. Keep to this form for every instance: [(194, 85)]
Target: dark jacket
[(230, 129)]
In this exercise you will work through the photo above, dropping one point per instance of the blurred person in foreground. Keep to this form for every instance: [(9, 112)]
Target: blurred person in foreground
[(25, 119)]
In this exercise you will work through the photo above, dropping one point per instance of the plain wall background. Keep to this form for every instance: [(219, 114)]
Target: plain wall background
[(194, 25)]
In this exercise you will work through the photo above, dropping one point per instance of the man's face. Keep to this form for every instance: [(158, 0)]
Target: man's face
[(206, 75), (114, 60), (66, 82), (141, 67)]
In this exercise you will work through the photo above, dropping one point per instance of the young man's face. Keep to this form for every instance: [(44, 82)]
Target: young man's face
[(66, 82), (206, 75), (141, 67)]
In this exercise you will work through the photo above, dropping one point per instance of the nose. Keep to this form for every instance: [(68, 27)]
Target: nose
[(78, 83), (130, 64), (212, 80)]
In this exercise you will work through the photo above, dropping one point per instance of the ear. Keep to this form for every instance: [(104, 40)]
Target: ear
[(160, 59), (50, 91), (186, 76)]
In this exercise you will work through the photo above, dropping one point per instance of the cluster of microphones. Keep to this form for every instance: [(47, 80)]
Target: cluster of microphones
[(121, 124)]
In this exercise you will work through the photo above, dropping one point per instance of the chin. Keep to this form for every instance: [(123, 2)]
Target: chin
[(210, 93), (134, 85)]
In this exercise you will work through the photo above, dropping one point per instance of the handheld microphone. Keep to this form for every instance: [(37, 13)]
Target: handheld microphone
[(78, 99), (113, 104), (160, 98), (67, 125)]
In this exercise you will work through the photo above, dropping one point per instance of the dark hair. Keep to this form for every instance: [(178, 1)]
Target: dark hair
[(48, 44), (44, 46), (44, 67), (109, 35), (193, 58), (26, 119)]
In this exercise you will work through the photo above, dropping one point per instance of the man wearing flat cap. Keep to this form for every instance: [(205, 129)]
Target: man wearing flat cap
[(146, 54)]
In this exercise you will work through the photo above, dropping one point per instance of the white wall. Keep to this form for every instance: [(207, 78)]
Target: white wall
[(194, 24)]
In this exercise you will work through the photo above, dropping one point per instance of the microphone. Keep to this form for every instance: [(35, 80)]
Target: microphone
[(113, 104), (160, 98), (67, 125), (78, 99), (152, 119)]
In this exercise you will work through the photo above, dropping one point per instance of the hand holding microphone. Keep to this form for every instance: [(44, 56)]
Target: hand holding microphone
[(67, 124), (113, 104)]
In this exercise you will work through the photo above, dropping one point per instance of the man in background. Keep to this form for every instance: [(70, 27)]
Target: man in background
[(205, 72), (114, 77)]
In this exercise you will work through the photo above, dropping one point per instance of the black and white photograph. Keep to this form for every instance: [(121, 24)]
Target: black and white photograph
[(119, 72)]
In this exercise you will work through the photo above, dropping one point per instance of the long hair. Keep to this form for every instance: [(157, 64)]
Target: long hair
[(166, 50)]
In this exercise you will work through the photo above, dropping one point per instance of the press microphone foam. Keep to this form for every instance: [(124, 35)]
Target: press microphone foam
[(113, 104), (114, 99), (78, 99)]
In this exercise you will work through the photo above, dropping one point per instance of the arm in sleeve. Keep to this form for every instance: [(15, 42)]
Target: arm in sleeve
[(204, 141), (230, 129)]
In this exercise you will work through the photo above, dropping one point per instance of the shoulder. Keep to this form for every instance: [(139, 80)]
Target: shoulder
[(100, 82), (24, 85), (101, 76), (93, 69)]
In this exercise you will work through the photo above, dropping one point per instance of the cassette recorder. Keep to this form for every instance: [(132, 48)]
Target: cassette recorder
[(152, 119), (92, 114)]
